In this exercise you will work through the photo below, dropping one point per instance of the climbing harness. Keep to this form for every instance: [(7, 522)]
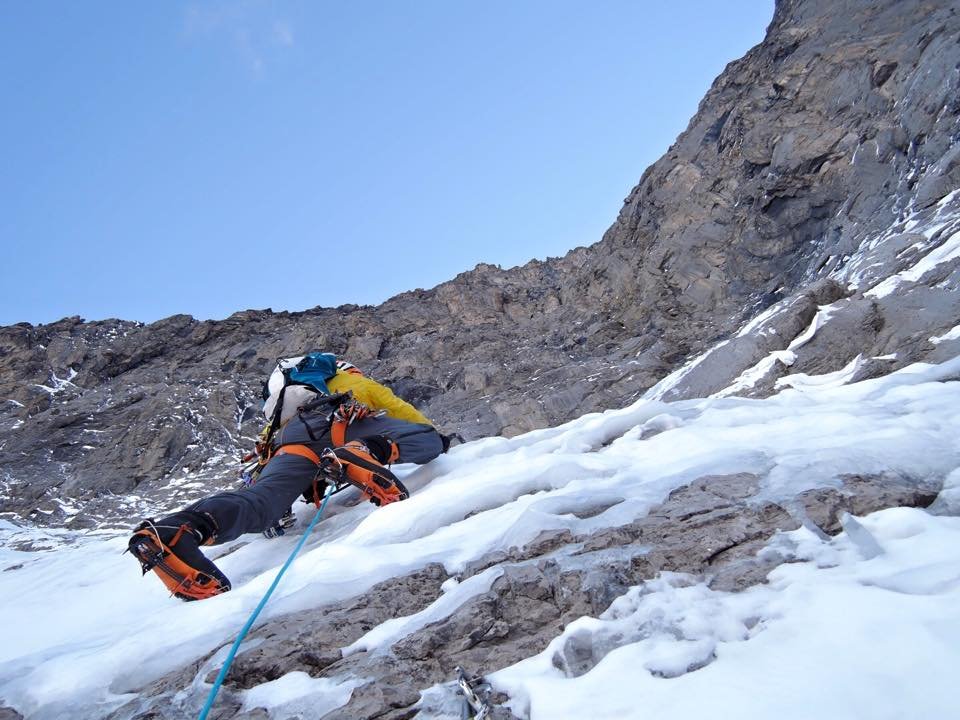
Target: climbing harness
[(249, 624), (345, 410), (475, 707)]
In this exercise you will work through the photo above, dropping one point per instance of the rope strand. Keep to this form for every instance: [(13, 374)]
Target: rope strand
[(246, 628)]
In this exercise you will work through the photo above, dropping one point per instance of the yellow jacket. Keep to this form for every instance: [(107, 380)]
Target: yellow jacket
[(375, 396)]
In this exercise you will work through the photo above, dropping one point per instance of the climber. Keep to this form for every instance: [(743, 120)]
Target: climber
[(328, 423)]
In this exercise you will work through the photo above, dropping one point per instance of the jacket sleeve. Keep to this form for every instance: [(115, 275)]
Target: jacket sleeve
[(378, 397)]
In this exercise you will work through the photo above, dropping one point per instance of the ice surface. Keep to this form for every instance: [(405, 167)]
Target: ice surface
[(948, 501), (77, 615), (952, 334), (945, 252), (861, 537), (297, 695), (750, 377)]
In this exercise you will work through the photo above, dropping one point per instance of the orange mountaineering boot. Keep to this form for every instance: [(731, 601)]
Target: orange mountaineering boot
[(171, 549), (362, 464)]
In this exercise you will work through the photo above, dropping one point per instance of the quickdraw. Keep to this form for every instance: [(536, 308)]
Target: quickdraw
[(252, 464), (347, 412), (475, 707)]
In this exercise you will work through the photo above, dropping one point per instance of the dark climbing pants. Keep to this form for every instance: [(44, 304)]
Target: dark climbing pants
[(286, 476)]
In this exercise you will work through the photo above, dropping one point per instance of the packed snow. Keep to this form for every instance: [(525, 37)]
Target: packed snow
[(840, 630), (751, 376), (952, 334)]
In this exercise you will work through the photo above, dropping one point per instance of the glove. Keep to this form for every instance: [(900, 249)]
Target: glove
[(286, 521), (447, 440)]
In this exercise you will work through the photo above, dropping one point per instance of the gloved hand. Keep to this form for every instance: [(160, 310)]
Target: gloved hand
[(448, 439), (286, 521)]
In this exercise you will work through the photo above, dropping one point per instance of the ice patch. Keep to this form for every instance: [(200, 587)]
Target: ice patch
[(297, 695), (58, 384), (819, 320), (947, 251), (751, 376), (802, 381), (760, 319), (455, 594), (953, 334), (659, 391)]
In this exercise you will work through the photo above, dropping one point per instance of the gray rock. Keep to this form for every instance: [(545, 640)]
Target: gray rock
[(816, 141)]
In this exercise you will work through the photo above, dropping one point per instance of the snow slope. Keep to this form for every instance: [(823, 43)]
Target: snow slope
[(866, 624)]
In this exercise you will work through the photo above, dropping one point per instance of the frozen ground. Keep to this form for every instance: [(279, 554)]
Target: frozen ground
[(866, 624), (838, 634)]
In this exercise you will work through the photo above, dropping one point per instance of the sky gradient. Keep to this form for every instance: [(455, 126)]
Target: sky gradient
[(205, 158)]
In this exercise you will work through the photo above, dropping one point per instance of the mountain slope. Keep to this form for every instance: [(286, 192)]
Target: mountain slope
[(758, 311), (818, 165), (607, 547)]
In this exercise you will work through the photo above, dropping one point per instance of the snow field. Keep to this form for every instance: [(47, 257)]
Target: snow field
[(83, 629)]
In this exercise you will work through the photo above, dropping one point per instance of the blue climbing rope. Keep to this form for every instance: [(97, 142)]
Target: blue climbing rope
[(246, 628)]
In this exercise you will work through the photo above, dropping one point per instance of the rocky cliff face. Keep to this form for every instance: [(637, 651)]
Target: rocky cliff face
[(819, 172), (806, 222)]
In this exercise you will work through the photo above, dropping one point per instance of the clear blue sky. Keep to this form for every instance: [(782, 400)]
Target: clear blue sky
[(208, 157)]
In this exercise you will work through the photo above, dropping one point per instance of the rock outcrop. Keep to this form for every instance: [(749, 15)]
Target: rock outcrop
[(819, 164)]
